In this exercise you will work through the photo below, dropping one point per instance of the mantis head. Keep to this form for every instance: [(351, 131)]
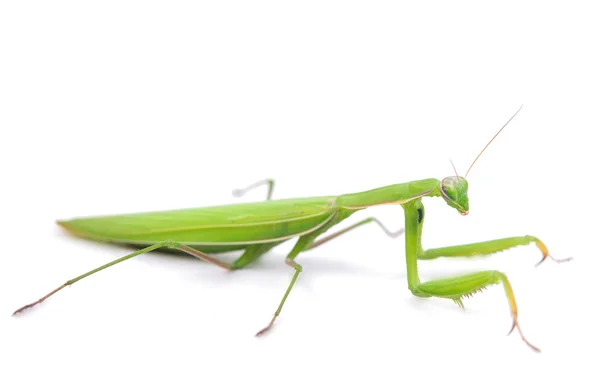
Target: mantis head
[(454, 191), (454, 188)]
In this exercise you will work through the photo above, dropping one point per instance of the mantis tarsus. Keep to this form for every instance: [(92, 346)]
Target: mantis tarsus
[(256, 228)]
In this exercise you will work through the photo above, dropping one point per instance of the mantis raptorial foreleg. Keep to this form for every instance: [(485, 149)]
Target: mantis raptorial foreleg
[(487, 248), (466, 285), (457, 288), (168, 244)]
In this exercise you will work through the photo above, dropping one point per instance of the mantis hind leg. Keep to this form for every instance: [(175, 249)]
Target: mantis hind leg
[(170, 244), (457, 288), (269, 182)]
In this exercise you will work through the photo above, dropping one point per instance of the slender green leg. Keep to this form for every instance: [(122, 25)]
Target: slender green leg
[(298, 269), (269, 182), (489, 247), (302, 244), (389, 233), (303, 241), (170, 244)]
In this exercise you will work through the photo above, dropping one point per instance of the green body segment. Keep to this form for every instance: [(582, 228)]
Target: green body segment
[(394, 194)]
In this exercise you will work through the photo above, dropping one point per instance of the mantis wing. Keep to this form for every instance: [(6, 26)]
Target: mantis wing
[(228, 225)]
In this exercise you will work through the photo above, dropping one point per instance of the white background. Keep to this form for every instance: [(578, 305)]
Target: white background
[(131, 106)]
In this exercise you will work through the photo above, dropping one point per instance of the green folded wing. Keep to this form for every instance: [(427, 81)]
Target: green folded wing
[(235, 224)]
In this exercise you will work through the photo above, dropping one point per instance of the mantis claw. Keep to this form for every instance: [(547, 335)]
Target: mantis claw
[(40, 300), (266, 328), (546, 253), (516, 325), (557, 260)]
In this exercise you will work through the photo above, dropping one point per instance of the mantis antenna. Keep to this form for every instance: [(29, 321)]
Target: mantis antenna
[(456, 173), (486, 146)]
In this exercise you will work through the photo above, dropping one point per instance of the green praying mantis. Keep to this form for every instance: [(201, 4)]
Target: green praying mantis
[(256, 228)]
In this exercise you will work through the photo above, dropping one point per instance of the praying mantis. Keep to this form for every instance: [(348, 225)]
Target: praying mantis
[(255, 228)]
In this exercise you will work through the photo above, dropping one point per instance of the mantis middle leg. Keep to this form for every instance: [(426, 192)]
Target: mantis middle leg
[(307, 242), (303, 243)]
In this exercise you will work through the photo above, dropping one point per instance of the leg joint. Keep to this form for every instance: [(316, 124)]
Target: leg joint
[(417, 292), (170, 244), (292, 263)]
